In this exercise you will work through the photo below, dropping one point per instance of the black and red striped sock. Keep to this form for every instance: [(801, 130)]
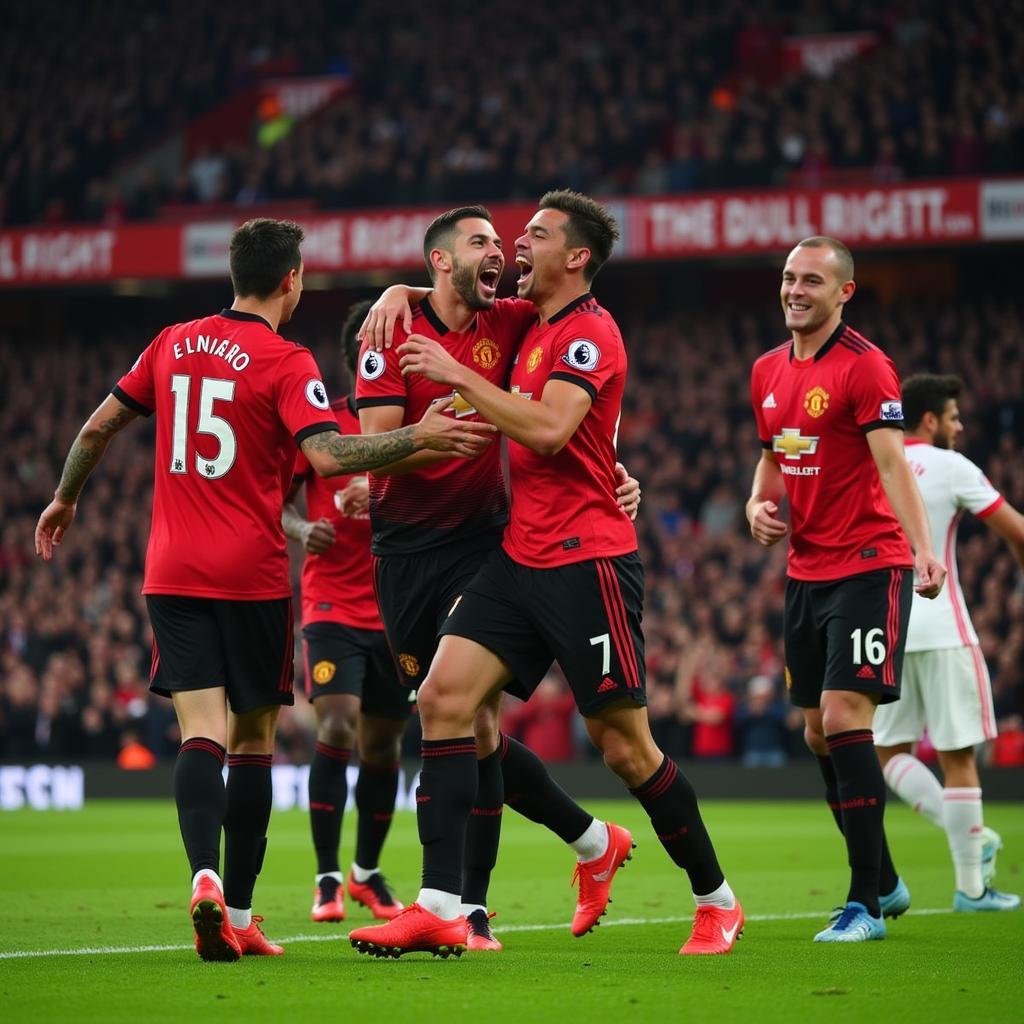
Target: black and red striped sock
[(483, 831), (250, 796), (532, 792), (671, 804), (888, 878), (328, 793), (444, 801), (861, 789), (376, 789), (199, 795)]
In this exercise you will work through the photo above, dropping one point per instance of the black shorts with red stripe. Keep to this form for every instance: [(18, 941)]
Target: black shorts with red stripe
[(847, 634), (248, 647), (586, 616)]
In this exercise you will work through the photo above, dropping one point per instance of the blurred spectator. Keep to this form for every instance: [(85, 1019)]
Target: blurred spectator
[(762, 726), (545, 722)]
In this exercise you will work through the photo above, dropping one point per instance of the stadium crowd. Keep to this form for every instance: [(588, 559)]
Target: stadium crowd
[(689, 95), (75, 642)]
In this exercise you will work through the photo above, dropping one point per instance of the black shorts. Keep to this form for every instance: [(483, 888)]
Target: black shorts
[(847, 634), (248, 647), (586, 616), (343, 660), (416, 592)]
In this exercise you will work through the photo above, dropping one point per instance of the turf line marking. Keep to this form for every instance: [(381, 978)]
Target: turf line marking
[(623, 922)]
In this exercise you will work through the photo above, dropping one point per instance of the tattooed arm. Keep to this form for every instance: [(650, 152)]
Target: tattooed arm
[(87, 450), (331, 453)]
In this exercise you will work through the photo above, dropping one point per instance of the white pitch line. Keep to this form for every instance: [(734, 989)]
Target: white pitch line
[(341, 937)]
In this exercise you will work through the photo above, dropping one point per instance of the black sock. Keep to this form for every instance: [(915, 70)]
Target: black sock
[(376, 789), (887, 876), (328, 792), (670, 802), (531, 792), (199, 795), (483, 831), (444, 801), (861, 789), (250, 797)]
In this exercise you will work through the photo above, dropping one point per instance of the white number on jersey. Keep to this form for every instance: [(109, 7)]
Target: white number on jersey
[(211, 389), (873, 646)]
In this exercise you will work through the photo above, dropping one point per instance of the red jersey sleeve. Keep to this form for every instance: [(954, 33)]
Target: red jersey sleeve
[(379, 380), (757, 401), (136, 388), (874, 389), (588, 354), (301, 397), (302, 468), (515, 316)]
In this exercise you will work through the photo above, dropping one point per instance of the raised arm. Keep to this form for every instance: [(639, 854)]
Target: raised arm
[(887, 450), (378, 419), (394, 304), (111, 417)]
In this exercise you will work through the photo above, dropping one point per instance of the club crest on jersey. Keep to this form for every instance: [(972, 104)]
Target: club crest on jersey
[(583, 354), (323, 672), (371, 364), (816, 401), (534, 359), (792, 444), (409, 664), (486, 353), (891, 412), (316, 395)]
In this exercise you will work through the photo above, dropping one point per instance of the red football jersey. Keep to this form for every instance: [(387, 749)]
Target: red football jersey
[(814, 414), (456, 498), (563, 506), (232, 400), (337, 586)]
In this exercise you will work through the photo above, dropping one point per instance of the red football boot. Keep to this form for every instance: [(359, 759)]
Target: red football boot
[(328, 901), (413, 930), (595, 878), (714, 930), (215, 938), (375, 895), (479, 934), (253, 942)]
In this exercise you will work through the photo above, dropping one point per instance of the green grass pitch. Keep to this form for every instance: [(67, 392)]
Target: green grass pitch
[(112, 880)]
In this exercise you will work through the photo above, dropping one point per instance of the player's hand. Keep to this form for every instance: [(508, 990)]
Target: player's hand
[(443, 433), (52, 525), (929, 575), (318, 537), (765, 527), (429, 359), (627, 492), (354, 499), (379, 326)]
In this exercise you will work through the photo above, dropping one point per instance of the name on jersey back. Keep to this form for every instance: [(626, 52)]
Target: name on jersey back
[(204, 343)]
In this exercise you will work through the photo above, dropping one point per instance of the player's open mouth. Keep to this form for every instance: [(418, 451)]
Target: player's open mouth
[(797, 307), (525, 268), (488, 281)]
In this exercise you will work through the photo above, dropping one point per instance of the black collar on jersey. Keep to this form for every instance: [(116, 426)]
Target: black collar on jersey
[(237, 314), (833, 338), (566, 310), (432, 318)]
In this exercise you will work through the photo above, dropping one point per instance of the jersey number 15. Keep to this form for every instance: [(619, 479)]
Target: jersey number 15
[(211, 389)]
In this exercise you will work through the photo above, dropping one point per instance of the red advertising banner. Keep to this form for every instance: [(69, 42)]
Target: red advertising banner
[(658, 228)]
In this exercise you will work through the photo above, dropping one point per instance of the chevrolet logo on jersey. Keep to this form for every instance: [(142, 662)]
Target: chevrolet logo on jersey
[(793, 444), (461, 406)]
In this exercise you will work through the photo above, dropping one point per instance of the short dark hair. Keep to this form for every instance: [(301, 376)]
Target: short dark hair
[(843, 254), (928, 392), (442, 230), (590, 226), (262, 252), (350, 344)]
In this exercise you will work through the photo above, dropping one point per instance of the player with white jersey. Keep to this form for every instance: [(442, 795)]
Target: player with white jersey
[(946, 687)]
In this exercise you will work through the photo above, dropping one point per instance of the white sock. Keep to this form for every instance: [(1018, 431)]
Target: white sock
[(593, 843), (722, 897), (207, 873), (239, 918), (362, 875), (914, 784), (962, 819), (336, 875), (468, 908), (446, 905)]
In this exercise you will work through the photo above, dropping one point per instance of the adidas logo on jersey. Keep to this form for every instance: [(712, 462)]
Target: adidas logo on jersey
[(607, 684), (769, 402), (866, 672)]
